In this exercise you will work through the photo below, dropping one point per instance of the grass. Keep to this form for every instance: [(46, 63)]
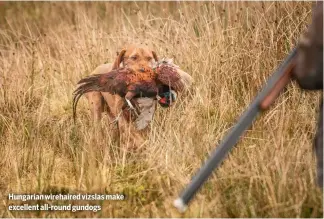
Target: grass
[(230, 49)]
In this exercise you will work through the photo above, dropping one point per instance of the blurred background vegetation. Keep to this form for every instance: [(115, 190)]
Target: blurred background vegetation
[(230, 49)]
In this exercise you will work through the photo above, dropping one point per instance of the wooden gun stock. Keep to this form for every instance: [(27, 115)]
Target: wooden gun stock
[(278, 87)]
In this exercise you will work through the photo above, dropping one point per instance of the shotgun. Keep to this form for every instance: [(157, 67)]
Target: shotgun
[(275, 84)]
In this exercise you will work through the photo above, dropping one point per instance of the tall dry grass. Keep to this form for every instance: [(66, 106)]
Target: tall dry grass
[(230, 49)]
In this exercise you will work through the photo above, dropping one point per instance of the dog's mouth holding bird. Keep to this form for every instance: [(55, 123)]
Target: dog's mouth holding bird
[(132, 83)]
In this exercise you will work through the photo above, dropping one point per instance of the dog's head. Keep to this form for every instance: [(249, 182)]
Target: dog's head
[(136, 57)]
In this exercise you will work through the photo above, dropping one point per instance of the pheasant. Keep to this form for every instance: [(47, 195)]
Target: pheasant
[(129, 83)]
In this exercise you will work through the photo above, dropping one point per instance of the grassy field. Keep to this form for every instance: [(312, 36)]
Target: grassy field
[(229, 48)]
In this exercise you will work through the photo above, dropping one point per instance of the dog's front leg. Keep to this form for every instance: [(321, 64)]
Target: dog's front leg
[(96, 105), (130, 137)]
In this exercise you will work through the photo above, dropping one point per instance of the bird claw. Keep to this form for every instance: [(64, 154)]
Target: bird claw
[(131, 106)]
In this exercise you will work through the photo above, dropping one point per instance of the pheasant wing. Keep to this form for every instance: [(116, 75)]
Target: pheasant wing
[(168, 75)]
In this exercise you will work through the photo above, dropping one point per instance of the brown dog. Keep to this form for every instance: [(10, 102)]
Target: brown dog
[(134, 57)]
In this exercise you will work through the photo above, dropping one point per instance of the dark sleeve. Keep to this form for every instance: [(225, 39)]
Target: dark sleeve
[(311, 81), (309, 66)]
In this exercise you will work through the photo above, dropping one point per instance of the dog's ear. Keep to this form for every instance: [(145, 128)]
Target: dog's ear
[(155, 56), (119, 59)]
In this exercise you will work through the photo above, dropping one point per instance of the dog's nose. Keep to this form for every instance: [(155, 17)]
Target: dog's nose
[(142, 69)]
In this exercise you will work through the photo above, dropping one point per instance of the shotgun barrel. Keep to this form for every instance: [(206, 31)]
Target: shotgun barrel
[(280, 78)]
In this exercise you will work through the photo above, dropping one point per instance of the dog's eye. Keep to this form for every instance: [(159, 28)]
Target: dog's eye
[(134, 58), (148, 58)]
